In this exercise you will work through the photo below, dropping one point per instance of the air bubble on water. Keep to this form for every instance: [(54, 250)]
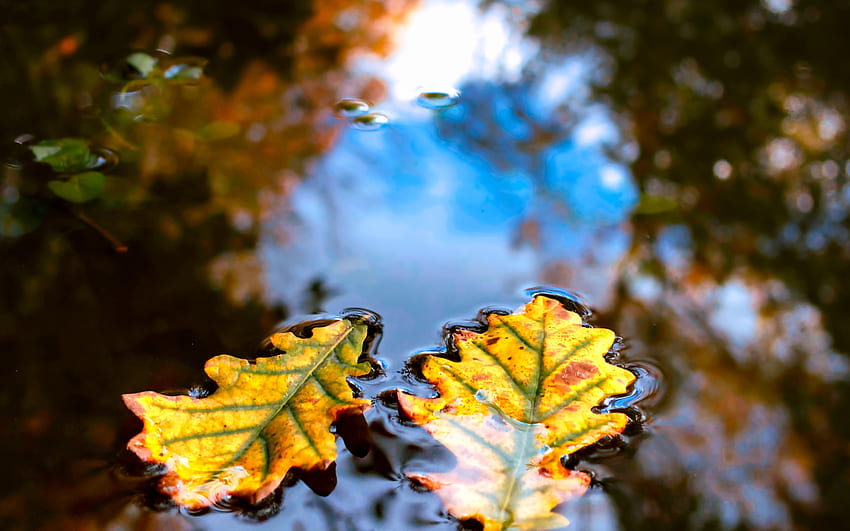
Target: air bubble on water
[(350, 108), (370, 122), (438, 99)]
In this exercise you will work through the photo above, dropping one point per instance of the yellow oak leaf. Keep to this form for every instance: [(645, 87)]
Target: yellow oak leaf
[(519, 399), (266, 417)]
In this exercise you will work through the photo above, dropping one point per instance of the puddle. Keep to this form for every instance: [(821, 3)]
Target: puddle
[(425, 161)]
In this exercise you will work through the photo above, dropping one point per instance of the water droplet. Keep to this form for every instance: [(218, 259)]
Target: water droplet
[(438, 99), (350, 108), (370, 122), (199, 391), (482, 396)]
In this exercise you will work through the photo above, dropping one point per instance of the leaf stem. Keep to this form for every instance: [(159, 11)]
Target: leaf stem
[(116, 244)]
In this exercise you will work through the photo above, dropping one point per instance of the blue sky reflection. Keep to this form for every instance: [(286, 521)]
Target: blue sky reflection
[(442, 224), (464, 207)]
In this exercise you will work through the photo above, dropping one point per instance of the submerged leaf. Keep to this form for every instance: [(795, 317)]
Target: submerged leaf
[(518, 400), (80, 187), (266, 417)]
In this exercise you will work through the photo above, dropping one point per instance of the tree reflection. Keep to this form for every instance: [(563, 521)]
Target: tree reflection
[(711, 231), (740, 107), (739, 110), (79, 325)]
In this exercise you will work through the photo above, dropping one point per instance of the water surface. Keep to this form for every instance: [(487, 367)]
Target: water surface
[(683, 166)]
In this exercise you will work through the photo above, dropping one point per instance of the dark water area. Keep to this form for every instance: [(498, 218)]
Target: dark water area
[(681, 165)]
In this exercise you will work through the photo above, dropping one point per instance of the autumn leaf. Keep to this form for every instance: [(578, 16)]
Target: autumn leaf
[(519, 399), (265, 417)]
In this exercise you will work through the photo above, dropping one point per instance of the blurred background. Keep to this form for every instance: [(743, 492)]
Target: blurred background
[(681, 164)]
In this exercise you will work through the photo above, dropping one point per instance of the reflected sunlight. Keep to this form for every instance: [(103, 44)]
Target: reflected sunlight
[(446, 42)]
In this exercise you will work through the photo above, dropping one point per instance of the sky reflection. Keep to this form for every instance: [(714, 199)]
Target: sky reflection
[(442, 222), (526, 181), (681, 164), (516, 186)]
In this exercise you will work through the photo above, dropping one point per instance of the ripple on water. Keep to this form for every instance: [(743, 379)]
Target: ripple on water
[(570, 299)]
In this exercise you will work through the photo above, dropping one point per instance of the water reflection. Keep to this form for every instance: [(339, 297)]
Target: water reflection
[(441, 225), (502, 166), (375, 204), (683, 166)]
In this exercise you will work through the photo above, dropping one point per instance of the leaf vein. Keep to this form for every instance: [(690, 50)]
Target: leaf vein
[(576, 434), (232, 407), (567, 357), (290, 392), (573, 397), (300, 427), (501, 454), (517, 335), (325, 391), (514, 383), (208, 434)]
